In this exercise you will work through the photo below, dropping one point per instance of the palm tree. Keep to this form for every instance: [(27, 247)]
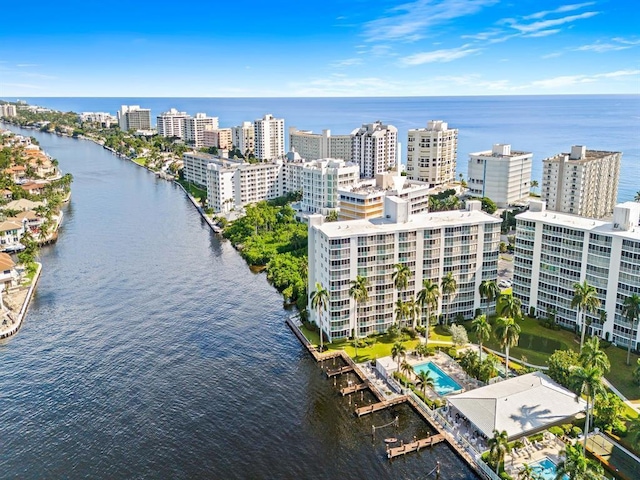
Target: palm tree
[(407, 369), (401, 311), (398, 350), (401, 277), (498, 448), (631, 310), (428, 297), (489, 289), (448, 286), (637, 197), (528, 473), (589, 382), (511, 307), (534, 184), (593, 356), (576, 466), (508, 333), (425, 380), (320, 302), (359, 293), (482, 328), (413, 311), (585, 298)]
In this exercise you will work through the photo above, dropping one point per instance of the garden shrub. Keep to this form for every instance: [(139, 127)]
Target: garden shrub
[(557, 431)]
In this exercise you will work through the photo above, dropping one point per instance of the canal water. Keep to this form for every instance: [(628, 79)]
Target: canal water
[(150, 350)]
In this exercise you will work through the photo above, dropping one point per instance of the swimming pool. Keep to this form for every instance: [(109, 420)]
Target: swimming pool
[(443, 383), (546, 469)]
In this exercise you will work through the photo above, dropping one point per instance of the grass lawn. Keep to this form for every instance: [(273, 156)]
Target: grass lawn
[(538, 350), (194, 190), (382, 347)]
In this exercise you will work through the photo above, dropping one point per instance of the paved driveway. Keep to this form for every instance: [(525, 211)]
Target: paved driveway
[(505, 267)]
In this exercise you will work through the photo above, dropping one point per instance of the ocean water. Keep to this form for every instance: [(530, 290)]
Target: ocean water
[(544, 125)]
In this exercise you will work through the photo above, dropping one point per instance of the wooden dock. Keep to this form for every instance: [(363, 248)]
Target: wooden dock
[(393, 452), (353, 388), (375, 407), (338, 371)]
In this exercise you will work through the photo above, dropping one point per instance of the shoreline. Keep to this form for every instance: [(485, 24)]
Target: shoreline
[(25, 306)]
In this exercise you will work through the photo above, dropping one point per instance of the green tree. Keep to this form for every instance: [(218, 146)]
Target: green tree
[(401, 277), (589, 382), (448, 287), (636, 373), (593, 356), (608, 411), (631, 310), (400, 311), (488, 205), (332, 216), (407, 369), (428, 299), (489, 289), (637, 197), (359, 292), (576, 466), (459, 335), (528, 473), (498, 448), (634, 432), (585, 299), (412, 311), (510, 306), (561, 363), (424, 381), (534, 185), (320, 302), (508, 334), (398, 350), (482, 329)]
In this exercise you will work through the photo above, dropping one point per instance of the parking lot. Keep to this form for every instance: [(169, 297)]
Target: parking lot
[(505, 269)]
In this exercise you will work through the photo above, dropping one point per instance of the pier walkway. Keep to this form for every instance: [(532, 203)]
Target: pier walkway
[(375, 407), (393, 452)]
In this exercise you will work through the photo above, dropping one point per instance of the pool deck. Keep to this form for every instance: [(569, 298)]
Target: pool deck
[(550, 448)]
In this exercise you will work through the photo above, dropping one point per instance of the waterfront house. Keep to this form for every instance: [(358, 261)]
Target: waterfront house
[(22, 205), (8, 274), (34, 188), (18, 173), (11, 232)]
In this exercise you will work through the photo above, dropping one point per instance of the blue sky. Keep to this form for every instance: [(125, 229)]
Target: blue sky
[(332, 48)]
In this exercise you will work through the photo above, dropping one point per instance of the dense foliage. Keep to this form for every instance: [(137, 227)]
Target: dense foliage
[(269, 235)]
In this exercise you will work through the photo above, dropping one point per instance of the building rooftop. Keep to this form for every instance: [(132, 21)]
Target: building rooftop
[(518, 405), (415, 222), (584, 223)]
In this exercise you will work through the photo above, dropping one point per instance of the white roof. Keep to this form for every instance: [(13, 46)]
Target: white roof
[(518, 405), (416, 222)]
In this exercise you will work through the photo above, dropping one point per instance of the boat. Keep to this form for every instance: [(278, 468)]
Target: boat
[(390, 440)]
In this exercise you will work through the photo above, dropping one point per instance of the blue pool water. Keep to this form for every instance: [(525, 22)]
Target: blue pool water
[(443, 383), (546, 469)]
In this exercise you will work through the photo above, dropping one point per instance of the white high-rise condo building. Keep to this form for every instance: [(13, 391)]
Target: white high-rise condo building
[(500, 174), (432, 153), (314, 146), (583, 182), (132, 117), (554, 251), (171, 123), (269, 137), (321, 180), (431, 245), (8, 110), (194, 128), (374, 148), (243, 137)]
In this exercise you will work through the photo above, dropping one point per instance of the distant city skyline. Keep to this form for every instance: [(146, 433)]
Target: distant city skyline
[(285, 48)]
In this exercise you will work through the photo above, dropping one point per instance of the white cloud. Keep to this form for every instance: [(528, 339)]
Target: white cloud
[(442, 56), (569, 80), (27, 65), (543, 33), (409, 21), (348, 62), (618, 44), (342, 85), (562, 9), (545, 24), (22, 85)]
